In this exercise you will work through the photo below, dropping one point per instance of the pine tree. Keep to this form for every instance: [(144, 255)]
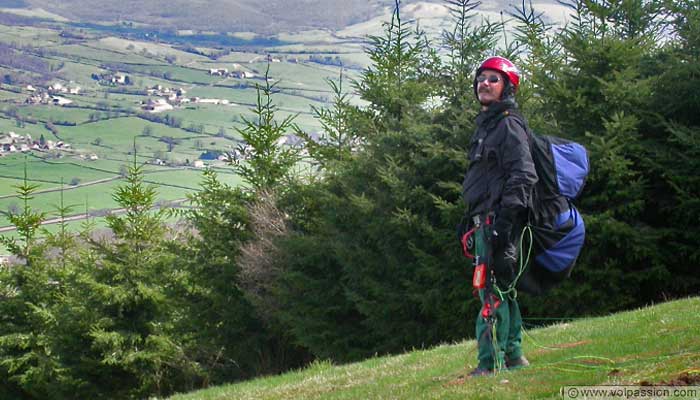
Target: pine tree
[(31, 291), (219, 320), (340, 138), (119, 308), (371, 265), (267, 160), (674, 155)]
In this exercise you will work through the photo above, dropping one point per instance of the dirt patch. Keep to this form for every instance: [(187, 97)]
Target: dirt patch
[(686, 378), (638, 356), (461, 380), (563, 346), (592, 361)]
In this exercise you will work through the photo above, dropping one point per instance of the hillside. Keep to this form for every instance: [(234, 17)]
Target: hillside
[(654, 345), (100, 118), (262, 17), (221, 15)]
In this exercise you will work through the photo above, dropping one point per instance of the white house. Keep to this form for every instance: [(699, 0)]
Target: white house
[(218, 71), (118, 78), (57, 88), (211, 101), (60, 101), (157, 105), (242, 75)]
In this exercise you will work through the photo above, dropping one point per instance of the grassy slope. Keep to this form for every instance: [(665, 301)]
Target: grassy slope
[(654, 344)]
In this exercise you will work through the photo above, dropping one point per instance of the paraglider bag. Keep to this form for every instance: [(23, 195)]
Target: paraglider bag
[(556, 247), (558, 231)]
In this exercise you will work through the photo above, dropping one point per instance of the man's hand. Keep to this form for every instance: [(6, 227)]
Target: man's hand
[(505, 263), (503, 227)]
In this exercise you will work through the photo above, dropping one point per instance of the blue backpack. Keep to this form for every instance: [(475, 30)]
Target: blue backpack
[(558, 230)]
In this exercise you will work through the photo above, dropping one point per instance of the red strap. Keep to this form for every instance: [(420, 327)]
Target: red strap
[(490, 306), (465, 239)]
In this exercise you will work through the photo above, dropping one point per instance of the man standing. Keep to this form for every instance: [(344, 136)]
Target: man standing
[(497, 188)]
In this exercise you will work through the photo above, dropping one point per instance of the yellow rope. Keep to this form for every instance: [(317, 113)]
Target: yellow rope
[(522, 264)]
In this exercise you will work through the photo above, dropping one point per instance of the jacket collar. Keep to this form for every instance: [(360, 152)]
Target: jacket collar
[(495, 111)]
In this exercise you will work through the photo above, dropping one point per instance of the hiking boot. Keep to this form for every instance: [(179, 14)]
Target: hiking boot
[(480, 371), (519, 362)]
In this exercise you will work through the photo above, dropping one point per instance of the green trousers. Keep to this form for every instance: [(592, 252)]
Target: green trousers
[(499, 324)]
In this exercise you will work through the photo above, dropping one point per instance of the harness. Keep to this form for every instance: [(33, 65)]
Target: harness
[(484, 279)]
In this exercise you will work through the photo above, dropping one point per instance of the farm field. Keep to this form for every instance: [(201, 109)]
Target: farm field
[(95, 185), (106, 77)]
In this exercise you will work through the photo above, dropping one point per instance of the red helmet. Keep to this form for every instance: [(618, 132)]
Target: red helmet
[(502, 65)]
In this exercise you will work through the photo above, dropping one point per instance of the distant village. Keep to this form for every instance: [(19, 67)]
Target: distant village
[(161, 98), (168, 98), (13, 143), (51, 94)]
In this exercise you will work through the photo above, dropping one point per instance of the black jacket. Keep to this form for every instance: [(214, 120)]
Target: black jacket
[(501, 173)]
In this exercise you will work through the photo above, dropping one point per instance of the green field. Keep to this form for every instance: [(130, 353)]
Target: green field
[(53, 113), (51, 171), (157, 49), (30, 36), (649, 346), (91, 54), (7, 95), (80, 73), (106, 122), (35, 130), (177, 73), (170, 184)]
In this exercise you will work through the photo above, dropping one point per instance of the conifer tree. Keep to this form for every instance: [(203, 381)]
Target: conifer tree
[(119, 308), (674, 157), (31, 362), (371, 267), (267, 161), (220, 321), (340, 138)]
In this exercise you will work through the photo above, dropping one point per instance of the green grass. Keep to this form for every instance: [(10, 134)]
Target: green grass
[(103, 55), (301, 85), (51, 171), (81, 73), (28, 36), (653, 344), (135, 46), (117, 133), (238, 57), (50, 112), (35, 130), (178, 73), (170, 184), (191, 178), (7, 95), (8, 185)]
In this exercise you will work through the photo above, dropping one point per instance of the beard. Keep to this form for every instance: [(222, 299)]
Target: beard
[(489, 100)]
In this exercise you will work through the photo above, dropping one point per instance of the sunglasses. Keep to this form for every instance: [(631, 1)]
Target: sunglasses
[(490, 78)]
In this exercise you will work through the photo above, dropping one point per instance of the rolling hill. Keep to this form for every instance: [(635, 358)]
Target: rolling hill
[(658, 345), (270, 16), (263, 17)]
